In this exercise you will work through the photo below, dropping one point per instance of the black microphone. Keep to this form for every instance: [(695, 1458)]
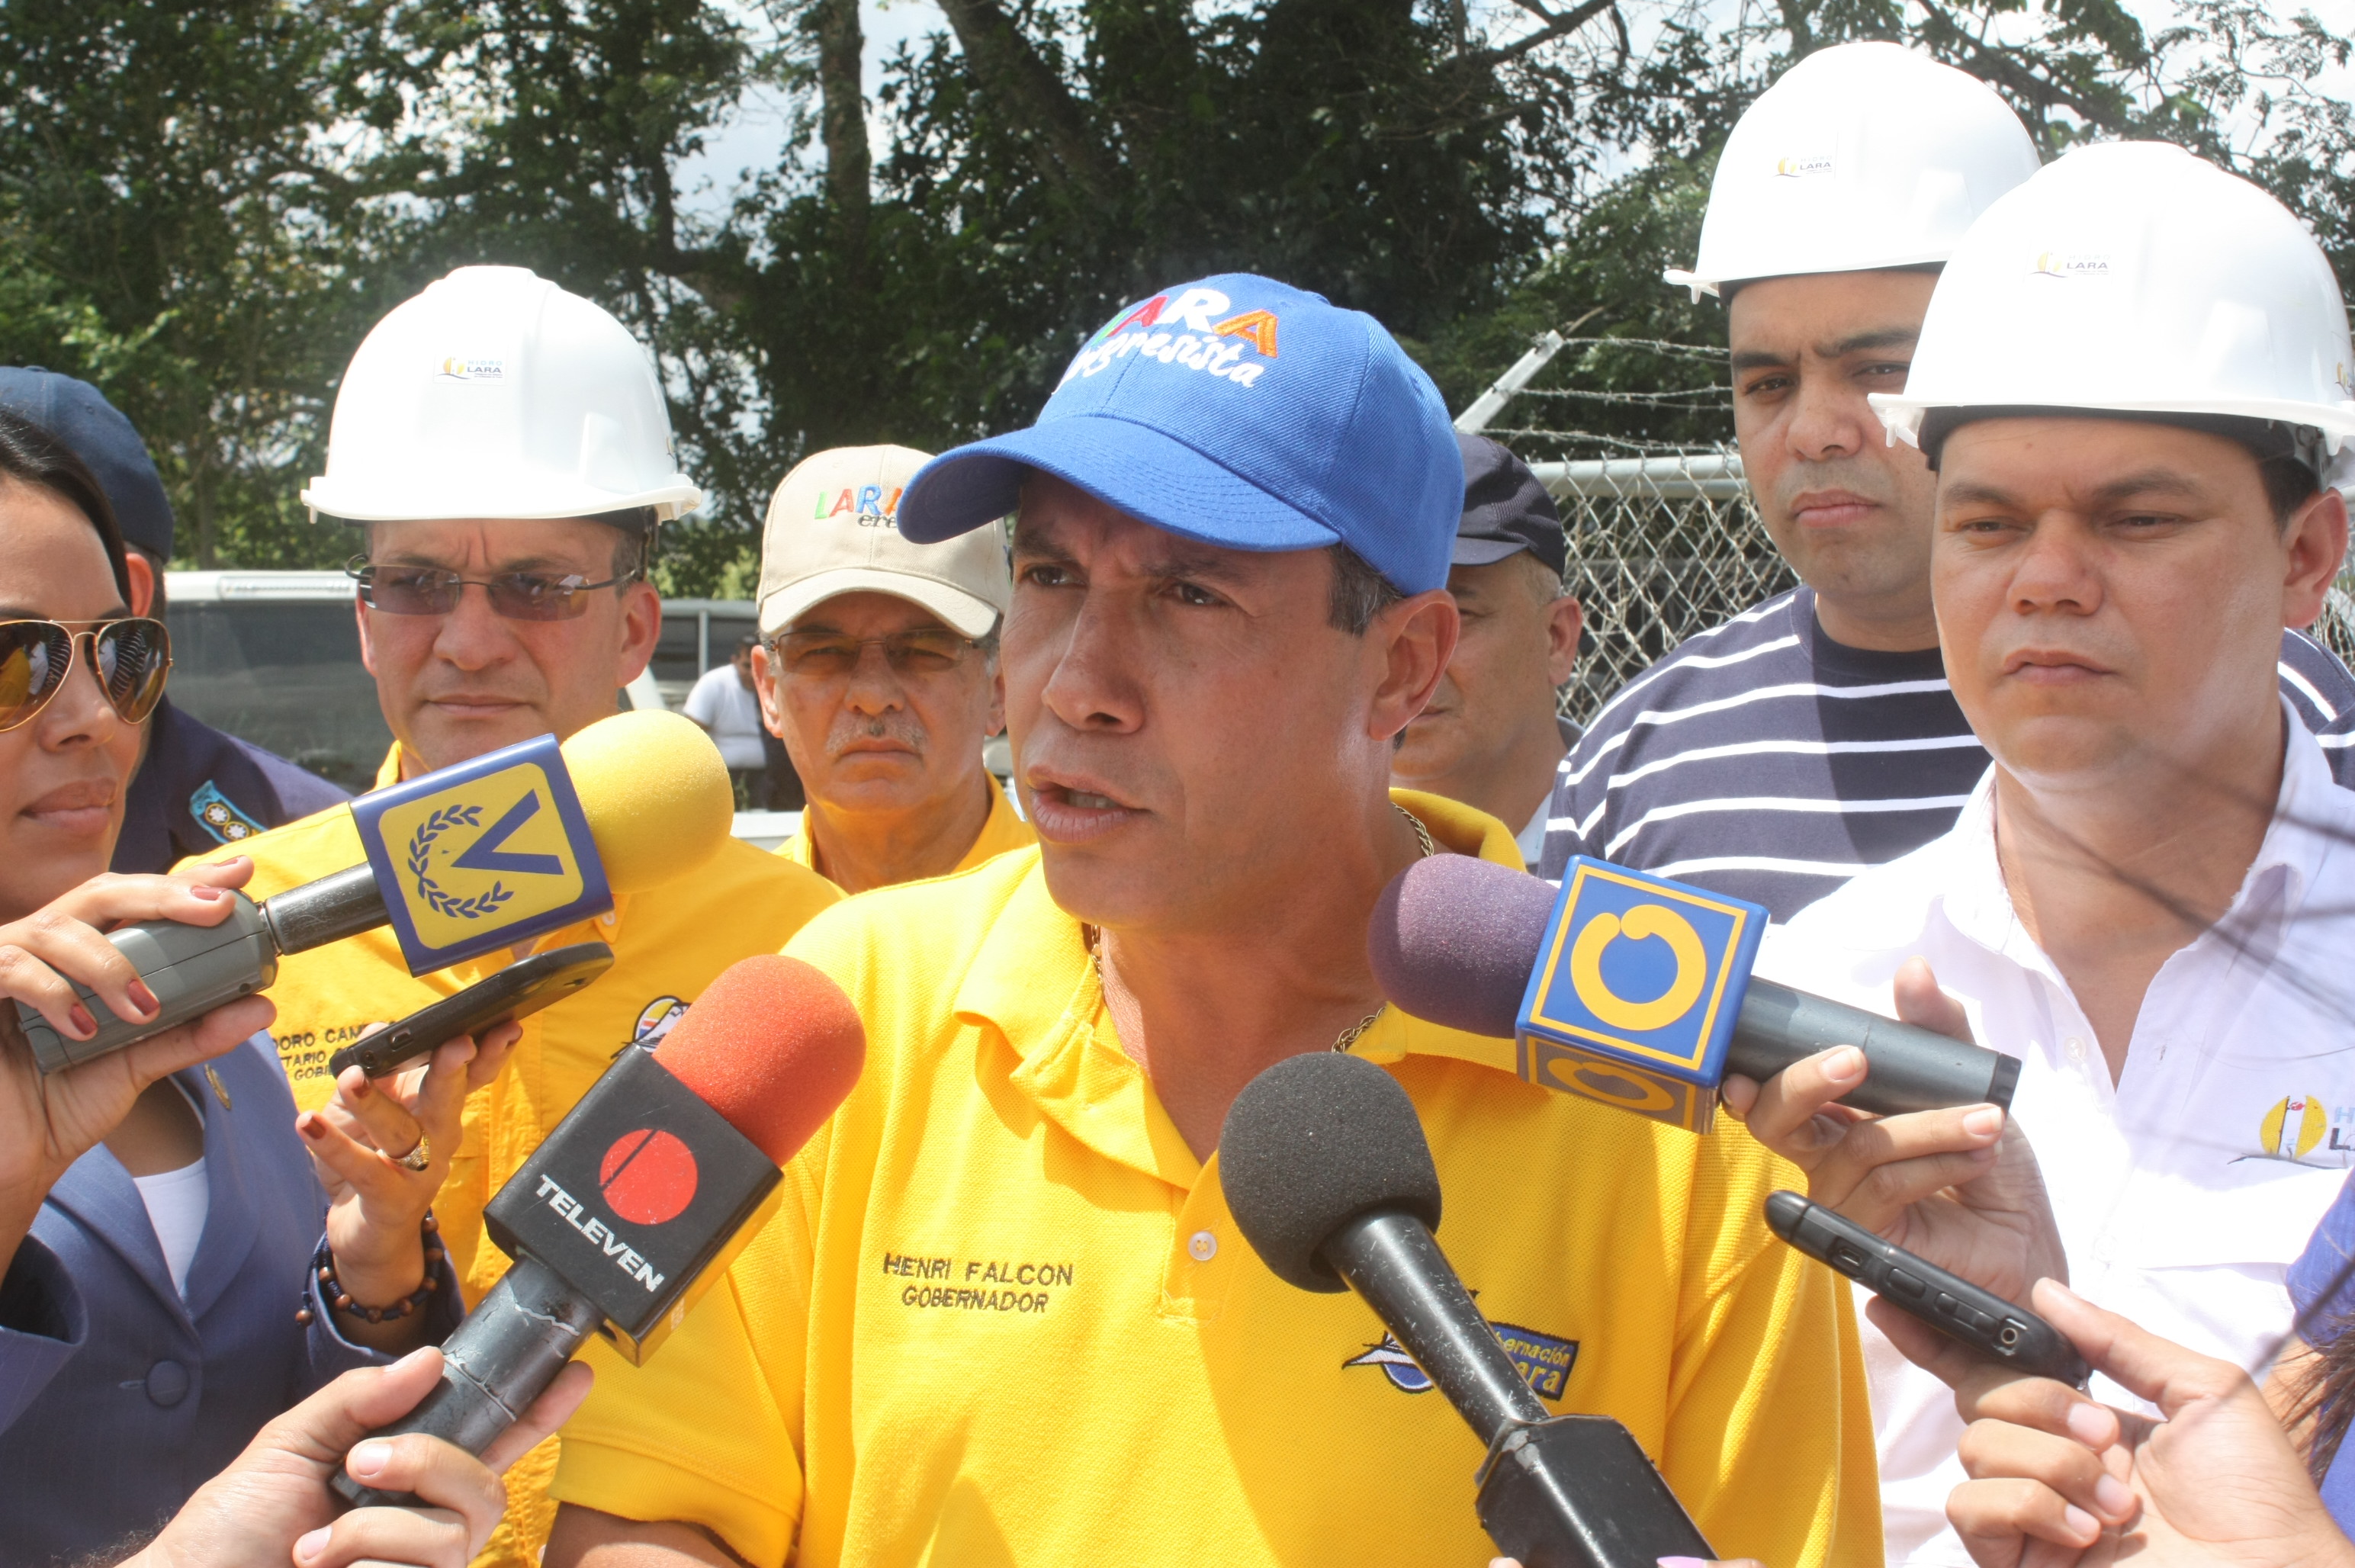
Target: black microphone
[(643, 1195), (1480, 947), (1327, 1175)]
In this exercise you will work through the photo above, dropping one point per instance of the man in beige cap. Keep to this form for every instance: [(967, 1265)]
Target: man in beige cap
[(879, 670)]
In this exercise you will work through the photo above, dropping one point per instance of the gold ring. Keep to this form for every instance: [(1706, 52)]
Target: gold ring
[(419, 1157)]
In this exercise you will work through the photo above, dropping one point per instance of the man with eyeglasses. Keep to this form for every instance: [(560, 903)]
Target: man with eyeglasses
[(504, 450), (880, 673)]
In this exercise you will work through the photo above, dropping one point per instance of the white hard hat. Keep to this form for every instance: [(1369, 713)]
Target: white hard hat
[(2133, 277), (1862, 155), (833, 528), (496, 394)]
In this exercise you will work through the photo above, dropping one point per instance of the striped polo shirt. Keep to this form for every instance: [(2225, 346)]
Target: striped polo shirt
[(1765, 760)]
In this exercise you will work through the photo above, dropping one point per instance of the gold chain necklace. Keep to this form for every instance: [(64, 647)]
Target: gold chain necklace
[(1355, 1031)]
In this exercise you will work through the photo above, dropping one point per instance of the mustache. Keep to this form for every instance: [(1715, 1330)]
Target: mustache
[(1849, 474), (904, 729)]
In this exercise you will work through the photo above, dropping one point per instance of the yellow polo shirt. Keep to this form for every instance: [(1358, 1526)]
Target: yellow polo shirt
[(1002, 830), (1003, 1316), (668, 943)]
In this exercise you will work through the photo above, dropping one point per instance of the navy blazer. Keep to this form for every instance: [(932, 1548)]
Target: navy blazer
[(197, 789), (117, 1398)]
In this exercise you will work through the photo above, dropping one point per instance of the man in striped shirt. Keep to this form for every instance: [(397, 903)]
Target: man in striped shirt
[(1813, 736)]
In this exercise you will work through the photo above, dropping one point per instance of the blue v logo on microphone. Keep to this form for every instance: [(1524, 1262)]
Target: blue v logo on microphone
[(1636, 992), (482, 855)]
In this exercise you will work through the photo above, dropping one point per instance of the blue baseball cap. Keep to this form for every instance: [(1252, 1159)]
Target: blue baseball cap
[(78, 417), (1239, 411)]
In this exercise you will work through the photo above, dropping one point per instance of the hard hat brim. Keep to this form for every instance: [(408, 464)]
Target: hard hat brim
[(962, 611), (377, 503)]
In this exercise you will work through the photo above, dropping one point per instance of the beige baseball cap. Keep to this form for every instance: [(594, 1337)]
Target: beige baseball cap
[(832, 528)]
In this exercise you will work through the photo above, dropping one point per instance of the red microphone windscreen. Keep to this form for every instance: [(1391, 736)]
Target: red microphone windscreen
[(773, 1046)]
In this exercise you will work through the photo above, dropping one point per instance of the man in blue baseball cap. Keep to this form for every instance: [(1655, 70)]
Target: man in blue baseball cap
[(1003, 1314), (196, 788)]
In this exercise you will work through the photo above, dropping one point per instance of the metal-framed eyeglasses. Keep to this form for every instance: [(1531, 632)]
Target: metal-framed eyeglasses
[(435, 591), (915, 653)]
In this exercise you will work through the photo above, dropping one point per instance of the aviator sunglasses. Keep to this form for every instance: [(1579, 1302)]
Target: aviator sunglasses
[(434, 591), (130, 657)]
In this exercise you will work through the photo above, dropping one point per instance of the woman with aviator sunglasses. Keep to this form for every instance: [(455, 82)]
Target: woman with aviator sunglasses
[(161, 1208)]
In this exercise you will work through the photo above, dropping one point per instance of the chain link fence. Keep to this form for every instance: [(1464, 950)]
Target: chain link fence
[(1668, 545)]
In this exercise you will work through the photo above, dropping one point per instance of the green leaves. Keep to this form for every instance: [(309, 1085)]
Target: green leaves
[(204, 207)]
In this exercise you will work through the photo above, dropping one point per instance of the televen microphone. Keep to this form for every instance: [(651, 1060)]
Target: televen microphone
[(642, 1194), (1636, 991), (485, 854), (1327, 1175)]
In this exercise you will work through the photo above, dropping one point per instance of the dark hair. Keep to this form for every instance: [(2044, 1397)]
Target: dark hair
[(2290, 483), (31, 456), (2325, 1400), (633, 552), (1359, 593), (2283, 452)]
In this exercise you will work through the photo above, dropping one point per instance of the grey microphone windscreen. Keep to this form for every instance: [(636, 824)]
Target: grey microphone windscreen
[(1453, 939), (1312, 1142)]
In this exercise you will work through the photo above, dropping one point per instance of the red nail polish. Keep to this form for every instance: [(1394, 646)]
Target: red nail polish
[(84, 1024), (206, 891), (310, 1126), (141, 998)]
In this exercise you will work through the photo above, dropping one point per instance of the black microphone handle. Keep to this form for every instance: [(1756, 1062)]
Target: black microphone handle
[(504, 1356), (328, 910), (1911, 1069), (1390, 1259), (1565, 1491)]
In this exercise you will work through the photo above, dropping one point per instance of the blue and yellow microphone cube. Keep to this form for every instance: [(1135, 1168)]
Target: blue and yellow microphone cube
[(488, 854), (1634, 998)]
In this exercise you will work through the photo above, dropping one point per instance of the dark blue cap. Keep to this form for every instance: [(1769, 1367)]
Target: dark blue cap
[(1506, 510), (94, 430), (1239, 411)]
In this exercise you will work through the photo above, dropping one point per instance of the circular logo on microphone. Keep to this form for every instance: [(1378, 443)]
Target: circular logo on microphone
[(647, 1177)]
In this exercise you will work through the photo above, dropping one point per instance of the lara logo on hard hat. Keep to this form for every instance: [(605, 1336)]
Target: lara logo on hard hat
[(1798, 165), (2071, 264), (460, 368)]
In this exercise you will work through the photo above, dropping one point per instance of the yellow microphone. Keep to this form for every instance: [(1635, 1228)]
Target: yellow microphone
[(486, 854)]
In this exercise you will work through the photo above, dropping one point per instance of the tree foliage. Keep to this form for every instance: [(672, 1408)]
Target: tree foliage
[(203, 207)]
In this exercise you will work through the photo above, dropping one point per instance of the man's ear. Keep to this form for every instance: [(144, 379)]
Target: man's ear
[(1565, 619), (641, 630), (764, 687), (2315, 542), (1416, 637)]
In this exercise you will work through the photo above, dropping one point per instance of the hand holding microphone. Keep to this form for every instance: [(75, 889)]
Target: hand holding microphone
[(464, 860), (645, 1192), (1327, 1172), (49, 1120), (1636, 991)]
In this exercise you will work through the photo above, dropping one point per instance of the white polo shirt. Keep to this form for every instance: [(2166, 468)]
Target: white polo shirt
[(2186, 1190)]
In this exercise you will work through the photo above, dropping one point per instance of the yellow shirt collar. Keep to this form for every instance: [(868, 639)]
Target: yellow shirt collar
[(1001, 831), (1032, 982)]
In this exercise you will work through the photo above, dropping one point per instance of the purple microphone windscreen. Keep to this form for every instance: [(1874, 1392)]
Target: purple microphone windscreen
[(1453, 939)]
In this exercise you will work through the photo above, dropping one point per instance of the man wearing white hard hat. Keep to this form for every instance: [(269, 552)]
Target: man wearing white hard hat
[(505, 452), (2132, 386), (1814, 735), (879, 670)]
